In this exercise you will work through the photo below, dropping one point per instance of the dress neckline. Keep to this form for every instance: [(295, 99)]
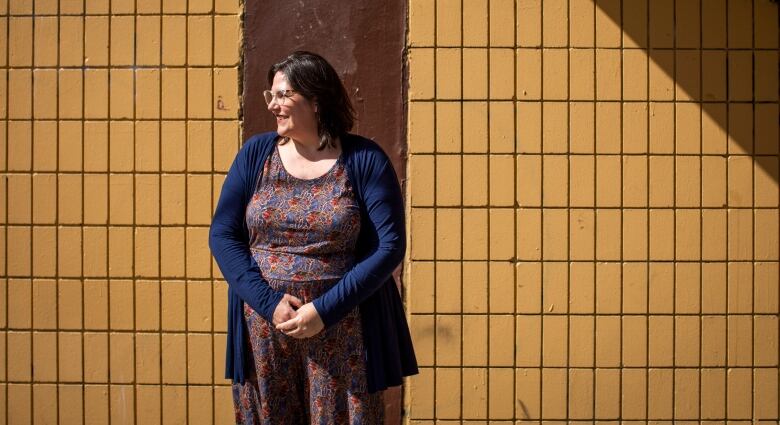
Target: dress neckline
[(314, 179)]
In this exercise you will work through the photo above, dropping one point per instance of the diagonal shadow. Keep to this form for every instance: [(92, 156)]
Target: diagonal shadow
[(720, 54)]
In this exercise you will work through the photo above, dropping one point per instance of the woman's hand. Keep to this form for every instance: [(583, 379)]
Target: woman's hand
[(306, 323), (284, 310)]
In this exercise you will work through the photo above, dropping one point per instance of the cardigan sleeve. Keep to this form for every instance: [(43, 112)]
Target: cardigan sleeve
[(384, 206), (228, 241)]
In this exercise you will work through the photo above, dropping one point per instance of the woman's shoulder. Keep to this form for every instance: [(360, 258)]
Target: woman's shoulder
[(364, 149), (260, 139)]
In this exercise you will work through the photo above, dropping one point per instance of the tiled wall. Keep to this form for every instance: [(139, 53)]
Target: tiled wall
[(593, 204), (119, 119)]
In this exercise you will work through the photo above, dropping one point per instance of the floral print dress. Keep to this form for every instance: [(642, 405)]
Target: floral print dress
[(302, 235)]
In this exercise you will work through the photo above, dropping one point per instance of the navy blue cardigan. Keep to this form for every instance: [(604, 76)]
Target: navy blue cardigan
[(369, 285)]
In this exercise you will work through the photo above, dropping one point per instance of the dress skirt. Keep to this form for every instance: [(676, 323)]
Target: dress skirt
[(317, 380)]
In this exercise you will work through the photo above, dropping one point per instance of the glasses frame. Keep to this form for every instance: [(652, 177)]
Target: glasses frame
[(280, 96)]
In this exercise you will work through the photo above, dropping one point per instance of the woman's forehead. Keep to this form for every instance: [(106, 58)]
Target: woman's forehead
[(280, 82)]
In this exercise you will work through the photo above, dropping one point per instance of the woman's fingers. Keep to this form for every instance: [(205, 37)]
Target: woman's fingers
[(295, 301)]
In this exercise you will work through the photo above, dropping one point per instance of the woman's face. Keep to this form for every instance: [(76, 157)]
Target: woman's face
[(296, 118)]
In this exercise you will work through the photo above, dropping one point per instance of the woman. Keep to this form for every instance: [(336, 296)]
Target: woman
[(307, 231)]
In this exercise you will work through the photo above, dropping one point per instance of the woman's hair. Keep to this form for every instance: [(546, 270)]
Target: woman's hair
[(313, 77)]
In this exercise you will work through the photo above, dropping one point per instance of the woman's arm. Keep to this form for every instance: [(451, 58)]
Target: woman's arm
[(230, 247), (384, 205)]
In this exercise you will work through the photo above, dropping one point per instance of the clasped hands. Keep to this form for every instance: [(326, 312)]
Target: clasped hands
[(301, 323)]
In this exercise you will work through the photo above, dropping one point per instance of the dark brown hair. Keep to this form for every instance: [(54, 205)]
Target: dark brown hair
[(315, 79)]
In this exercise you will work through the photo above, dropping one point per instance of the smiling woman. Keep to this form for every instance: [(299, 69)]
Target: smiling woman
[(307, 232)]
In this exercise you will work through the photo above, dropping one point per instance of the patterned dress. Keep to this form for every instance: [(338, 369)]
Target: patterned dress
[(302, 236)]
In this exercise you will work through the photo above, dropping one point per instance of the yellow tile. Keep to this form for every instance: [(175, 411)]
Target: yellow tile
[(147, 93), (69, 356), (122, 40), (502, 30), (122, 403), (529, 74), (607, 134), (227, 35), (687, 288), (475, 331), (529, 131), (172, 254), (200, 400), (527, 391), (688, 77), (740, 181), (448, 131), (765, 187), (174, 40), (765, 331), (475, 20), (421, 74), (147, 358), (20, 87), (501, 287), (422, 329), (174, 91), (608, 31), (448, 234), (448, 73), (713, 342), (608, 283), (502, 179), (198, 199), (661, 128), (421, 177), (199, 306), (554, 393), (44, 146), (448, 180), (686, 394), (634, 75), (687, 236), (686, 341), (19, 352), (422, 22), (475, 387), (174, 305), (173, 351), (475, 241), (529, 234), (96, 403), (448, 396), (502, 127), (173, 158), (121, 93), (607, 391), (44, 251), (475, 293), (581, 234), (96, 38), (198, 256), (69, 259), (45, 36), (554, 234), (580, 385), (529, 23), (3, 108), (69, 305), (661, 82), (475, 126), (554, 13), (766, 394), (634, 341), (96, 93), (528, 341), (502, 234), (739, 223), (421, 286), (500, 384), (529, 287), (740, 124), (45, 304), (661, 29), (121, 312), (225, 86), (120, 249), (635, 234), (225, 144), (687, 183), (122, 357), (739, 393), (44, 398), (554, 341), (20, 41), (448, 23), (18, 259), (147, 400), (174, 6), (70, 87), (475, 74), (147, 206), (448, 287), (502, 73), (220, 306), (765, 291), (714, 80), (199, 38), (421, 390), (147, 306), (581, 23), (96, 357), (660, 340), (147, 40), (555, 127), (555, 70), (608, 234), (635, 127), (222, 401), (688, 33), (199, 359), (121, 199)]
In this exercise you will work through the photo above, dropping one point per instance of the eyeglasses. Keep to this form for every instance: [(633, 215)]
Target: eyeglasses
[(279, 95)]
